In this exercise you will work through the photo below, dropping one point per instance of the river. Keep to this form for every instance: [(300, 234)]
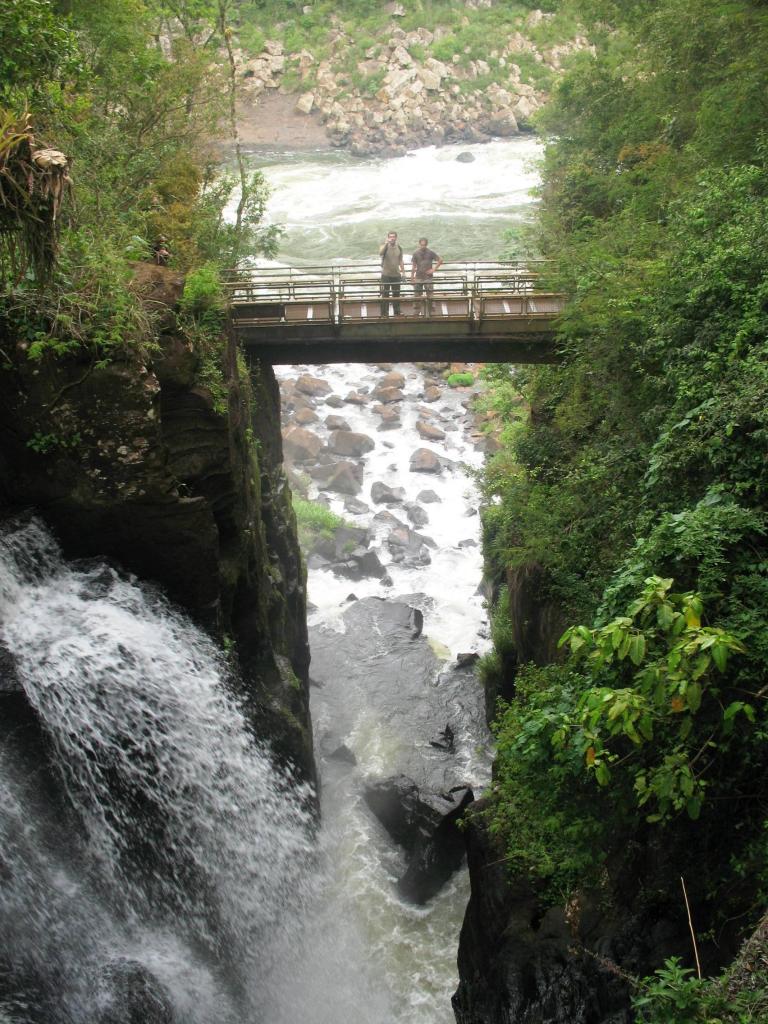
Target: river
[(379, 693)]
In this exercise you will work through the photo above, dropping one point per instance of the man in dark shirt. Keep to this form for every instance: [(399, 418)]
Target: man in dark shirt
[(392, 268), (424, 263)]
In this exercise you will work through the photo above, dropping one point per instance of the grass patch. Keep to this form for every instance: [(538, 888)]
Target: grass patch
[(315, 521), (460, 380)]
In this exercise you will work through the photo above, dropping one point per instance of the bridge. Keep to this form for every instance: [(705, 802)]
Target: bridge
[(477, 312)]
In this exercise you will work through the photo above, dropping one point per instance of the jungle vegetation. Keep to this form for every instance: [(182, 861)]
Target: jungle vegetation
[(634, 472)]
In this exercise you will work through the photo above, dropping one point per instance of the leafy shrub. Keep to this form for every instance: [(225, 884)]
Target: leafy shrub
[(460, 380)]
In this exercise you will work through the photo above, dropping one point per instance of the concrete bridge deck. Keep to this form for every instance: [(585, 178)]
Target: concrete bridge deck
[(477, 312)]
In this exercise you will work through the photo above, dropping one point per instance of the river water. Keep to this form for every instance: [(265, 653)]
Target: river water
[(380, 693)]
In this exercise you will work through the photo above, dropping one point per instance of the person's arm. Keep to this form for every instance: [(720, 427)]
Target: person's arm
[(413, 267), (382, 249), (439, 263), (402, 264)]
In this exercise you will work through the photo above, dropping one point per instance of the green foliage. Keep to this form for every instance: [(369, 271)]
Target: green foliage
[(654, 676), (641, 458), (37, 50), (314, 520), (460, 380), (552, 827), (45, 443), (88, 305), (203, 291), (674, 996)]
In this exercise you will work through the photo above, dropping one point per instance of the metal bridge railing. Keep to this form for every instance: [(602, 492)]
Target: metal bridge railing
[(352, 293)]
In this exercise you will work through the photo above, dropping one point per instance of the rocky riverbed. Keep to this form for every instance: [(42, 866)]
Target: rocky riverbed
[(399, 97)]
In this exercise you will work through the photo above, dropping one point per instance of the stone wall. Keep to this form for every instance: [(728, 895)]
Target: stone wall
[(135, 460)]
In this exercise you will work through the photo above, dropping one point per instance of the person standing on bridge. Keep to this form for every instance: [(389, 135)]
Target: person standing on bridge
[(424, 263), (392, 270)]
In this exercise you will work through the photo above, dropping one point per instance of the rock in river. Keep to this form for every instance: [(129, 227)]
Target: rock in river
[(346, 442), (425, 825), (301, 445), (425, 461)]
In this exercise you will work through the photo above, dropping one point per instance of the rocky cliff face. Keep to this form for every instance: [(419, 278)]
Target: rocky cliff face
[(136, 460), (401, 95)]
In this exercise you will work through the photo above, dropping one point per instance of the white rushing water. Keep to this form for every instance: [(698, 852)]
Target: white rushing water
[(336, 208), (180, 849)]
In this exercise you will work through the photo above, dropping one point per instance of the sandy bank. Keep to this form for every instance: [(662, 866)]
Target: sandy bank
[(272, 120)]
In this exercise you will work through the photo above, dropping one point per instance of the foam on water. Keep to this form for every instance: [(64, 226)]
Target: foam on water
[(183, 827)]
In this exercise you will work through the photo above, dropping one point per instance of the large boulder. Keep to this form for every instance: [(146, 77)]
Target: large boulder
[(388, 395), (408, 546), (390, 417), (336, 422), (305, 415), (428, 497), (300, 445), (346, 478), (313, 386), (393, 379), (429, 431), (346, 442), (416, 514), (425, 461), (426, 826), (383, 494)]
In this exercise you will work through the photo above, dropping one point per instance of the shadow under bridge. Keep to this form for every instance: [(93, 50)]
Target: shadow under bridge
[(476, 312)]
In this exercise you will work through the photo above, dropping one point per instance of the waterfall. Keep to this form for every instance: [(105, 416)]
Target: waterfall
[(176, 857)]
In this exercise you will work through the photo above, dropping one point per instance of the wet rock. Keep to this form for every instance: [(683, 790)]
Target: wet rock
[(355, 506), (428, 497), (356, 398), (429, 431), (392, 380), (334, 401), (425, 461), (387, 519), (346, 478), (467, 658), (444, 740), (520, 960), (425, 825), (346, 442), (357, 564), (301, 445), (465, 158), (382, 494), (322, 471), (416, 514), (390, 417), (470, 542), (344, 754), (387, 396), (306, 415), (344, 540), (313, 386), (129, 994), (336, 423), (408, 546)]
